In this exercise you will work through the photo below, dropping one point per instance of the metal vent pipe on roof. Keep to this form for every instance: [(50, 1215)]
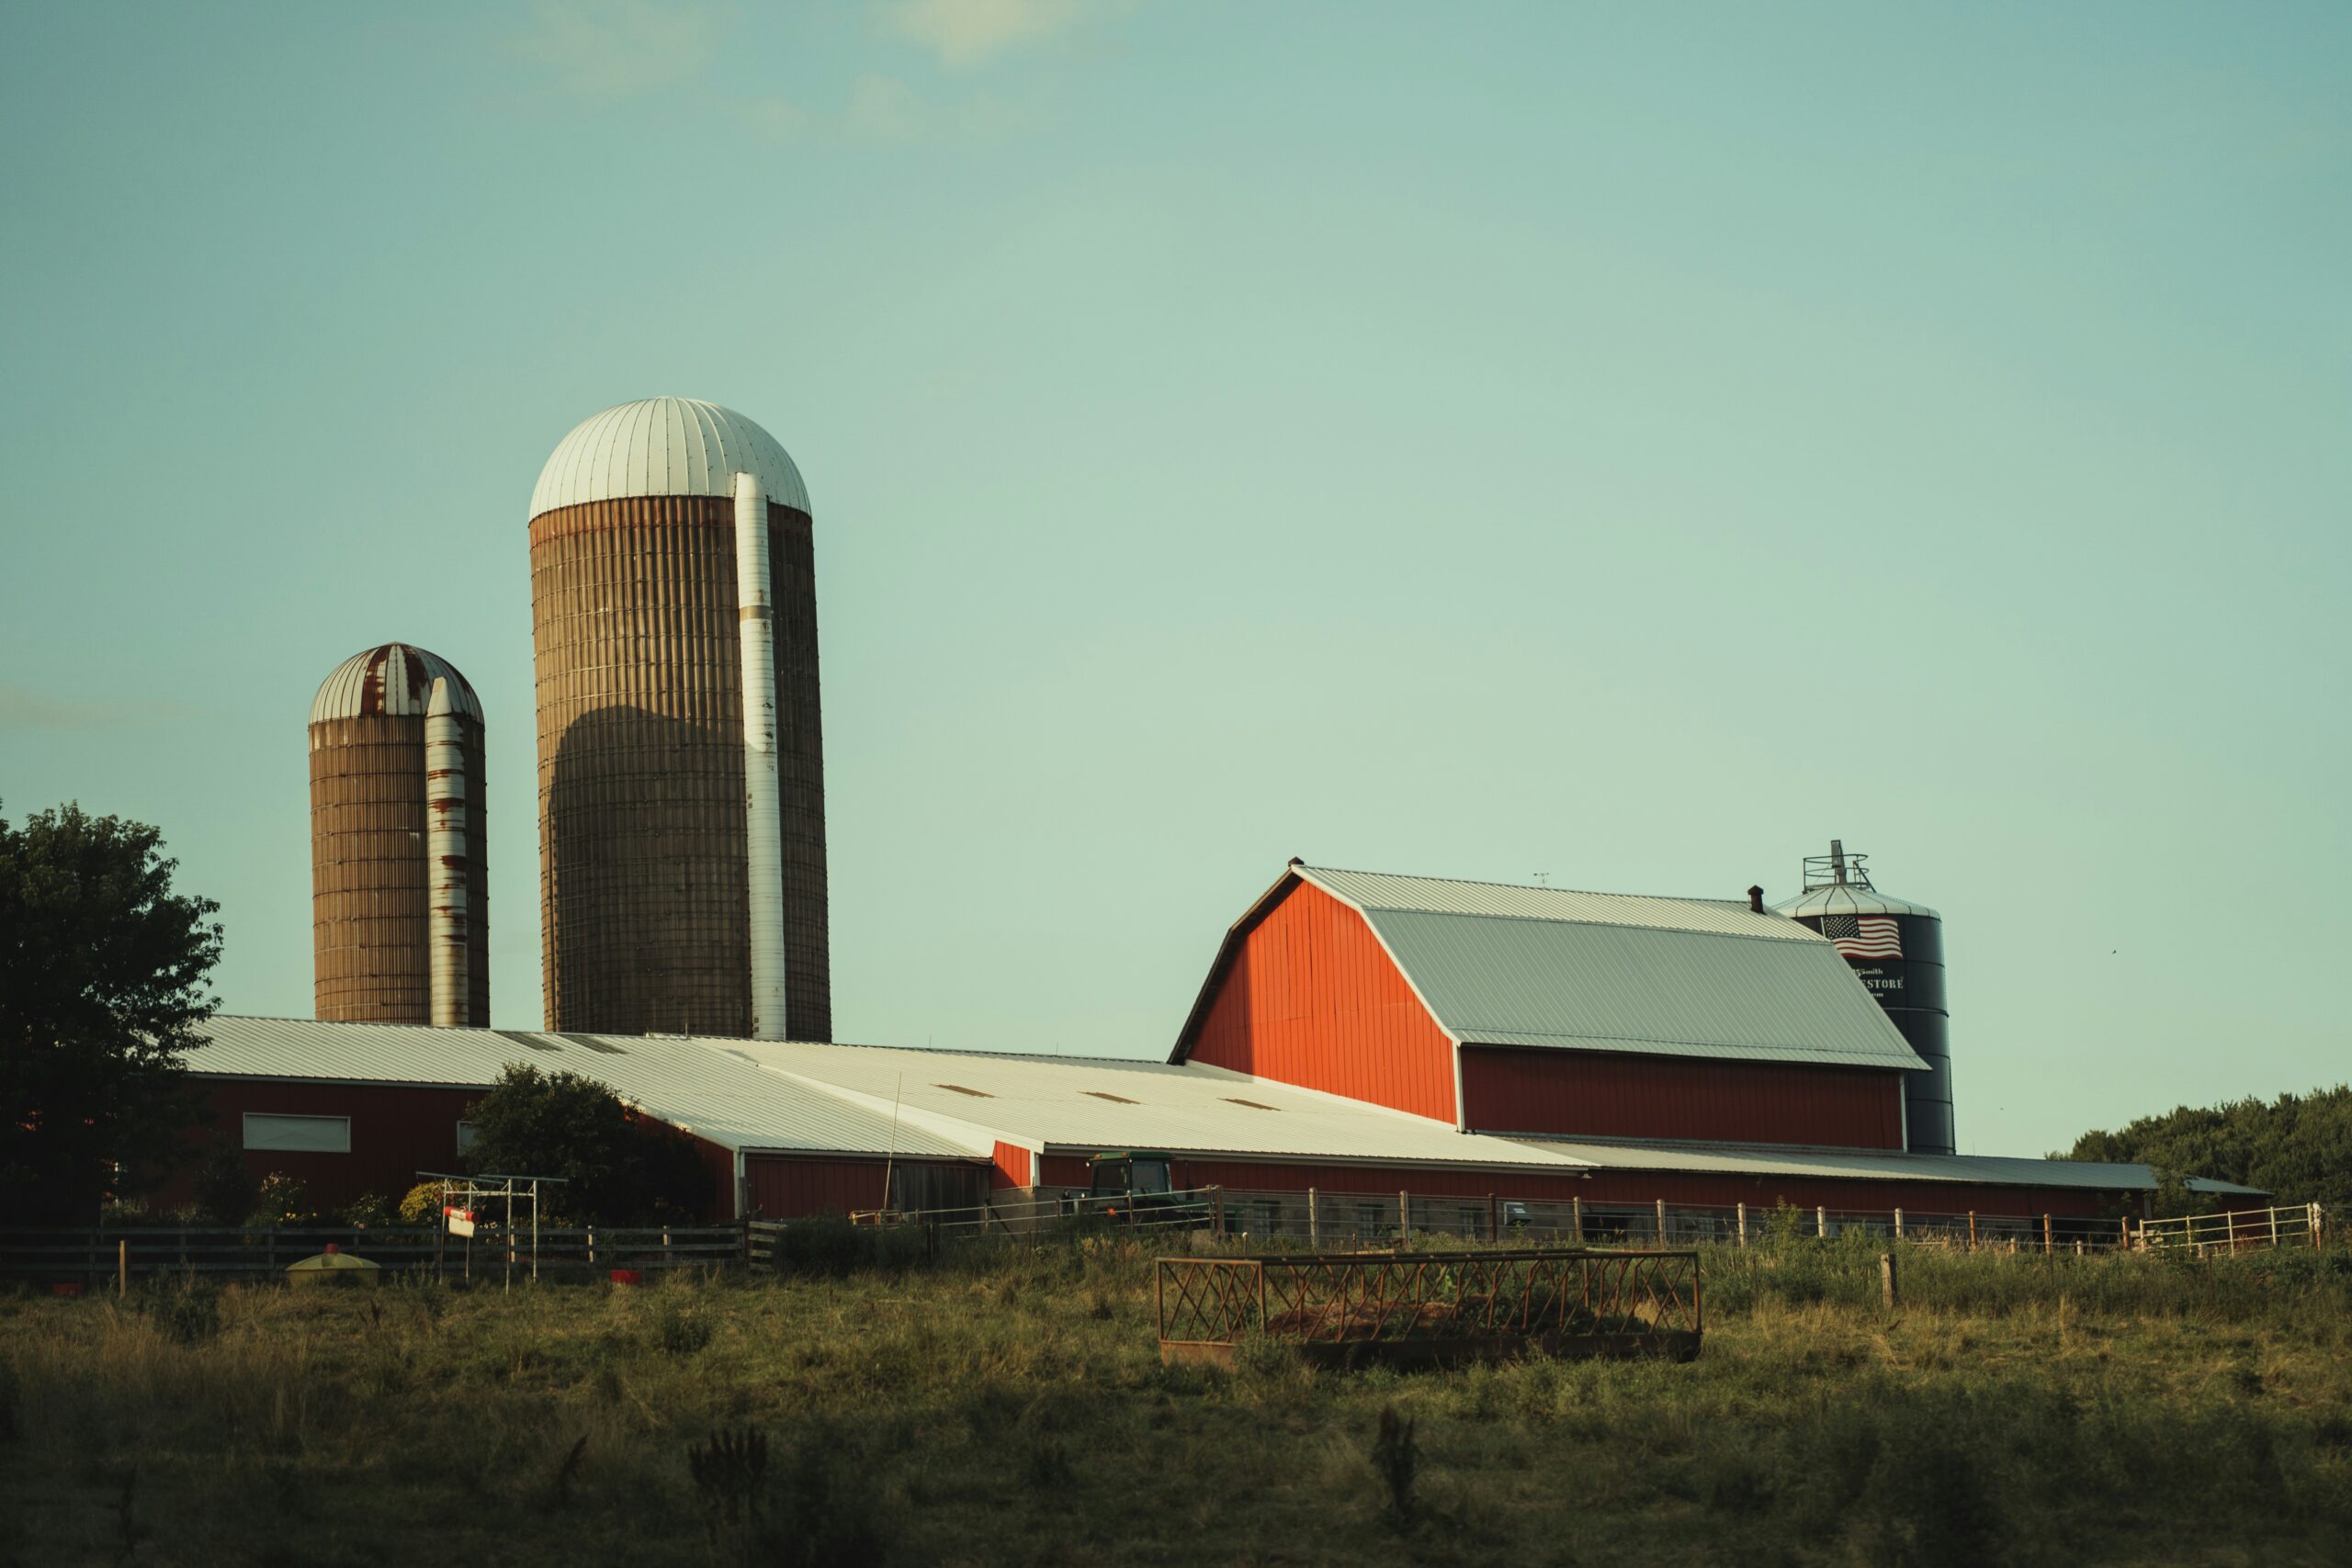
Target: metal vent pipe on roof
[(448, 937), (764, 836)]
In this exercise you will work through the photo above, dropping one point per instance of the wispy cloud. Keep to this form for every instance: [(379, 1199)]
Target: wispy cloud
[(24, 708), (877, 111), (620, 48), (967, 33)]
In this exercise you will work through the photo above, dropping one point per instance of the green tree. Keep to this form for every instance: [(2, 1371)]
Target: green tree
[(617, 1164), (102, 976), (2298, 1148)]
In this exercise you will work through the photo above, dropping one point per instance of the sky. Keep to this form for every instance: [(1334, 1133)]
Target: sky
[(1628, 445)]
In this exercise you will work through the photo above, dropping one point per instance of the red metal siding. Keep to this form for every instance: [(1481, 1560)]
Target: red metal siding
[(1010, 1167), (1599, 1095), (784, 1187), (1063, 1170), (1312, 998), (396, 1130)]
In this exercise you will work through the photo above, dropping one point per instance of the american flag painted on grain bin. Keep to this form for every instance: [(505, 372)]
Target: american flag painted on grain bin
[(1863, 936)]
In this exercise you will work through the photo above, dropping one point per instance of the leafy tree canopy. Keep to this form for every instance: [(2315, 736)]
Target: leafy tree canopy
[(2297, 1146), (619, 1167), (102, 976)]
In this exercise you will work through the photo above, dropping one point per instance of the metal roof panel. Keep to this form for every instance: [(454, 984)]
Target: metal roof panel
[(1506, 980), (687, 1082)]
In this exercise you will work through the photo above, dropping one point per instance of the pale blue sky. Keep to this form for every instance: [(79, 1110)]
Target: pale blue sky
[(1628, 443)]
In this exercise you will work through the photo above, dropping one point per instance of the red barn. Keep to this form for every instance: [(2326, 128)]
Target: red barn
[(1540, 1011)]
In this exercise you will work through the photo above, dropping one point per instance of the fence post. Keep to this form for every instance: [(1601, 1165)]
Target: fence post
[(2046, 1247), (2229, 1229), (1821, 1220), (1886, 1276), (1661, 1221), (1576, 1217), (1898, 1224), (2317, 1244), (1216, 1210), (1743, 1224), (1494, 1223), (1314, 1222), (2273, 1212), (122, 1267), (1971, 1230), (1404, 1216), (2125, 1245)]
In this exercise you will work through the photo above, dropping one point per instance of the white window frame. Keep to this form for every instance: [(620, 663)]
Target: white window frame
[(296, 1134)]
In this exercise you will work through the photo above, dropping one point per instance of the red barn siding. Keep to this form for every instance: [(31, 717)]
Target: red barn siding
[(784, 1187), (1312, 998), (1064, 1170), (1601, 1095), (1010, 1166), (397, 1130)]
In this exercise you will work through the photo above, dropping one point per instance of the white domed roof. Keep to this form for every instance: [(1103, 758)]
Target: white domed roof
[(1850, 899), (394, 680), (664, 447)]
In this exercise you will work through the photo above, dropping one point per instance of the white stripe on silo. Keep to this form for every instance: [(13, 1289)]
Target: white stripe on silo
[(445, 859), (764, 835)]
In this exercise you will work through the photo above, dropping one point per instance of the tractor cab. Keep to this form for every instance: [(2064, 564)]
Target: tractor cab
[(1139, 1188)]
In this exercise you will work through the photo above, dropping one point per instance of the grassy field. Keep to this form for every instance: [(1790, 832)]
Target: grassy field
[(1010, 1408)]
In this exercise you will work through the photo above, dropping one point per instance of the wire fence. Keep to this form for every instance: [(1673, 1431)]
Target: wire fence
[(1314, 1219), (89, 1256), (1319, 1219)]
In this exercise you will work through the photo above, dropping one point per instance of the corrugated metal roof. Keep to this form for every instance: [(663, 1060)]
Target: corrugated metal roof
[(1094, 1103), (1849, 899), (1370, 890), (694, 1084), (665, 446), (1542, 966), (1765, 1160), (393, 679), (1510, 982)]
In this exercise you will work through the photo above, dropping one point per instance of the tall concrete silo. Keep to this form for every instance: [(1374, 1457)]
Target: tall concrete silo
[(1896, 949), (642, 629), (399, 894)]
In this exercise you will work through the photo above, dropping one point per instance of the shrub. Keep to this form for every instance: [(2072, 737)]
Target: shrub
[(281, 1199), (370, 1209), (226, 1192), (421, 1204), (618, 1166)]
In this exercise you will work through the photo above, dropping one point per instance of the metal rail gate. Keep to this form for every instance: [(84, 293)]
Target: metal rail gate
[(1432, 1308)]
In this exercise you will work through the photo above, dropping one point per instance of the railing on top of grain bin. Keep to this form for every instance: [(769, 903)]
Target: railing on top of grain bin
[(1431, 1308)]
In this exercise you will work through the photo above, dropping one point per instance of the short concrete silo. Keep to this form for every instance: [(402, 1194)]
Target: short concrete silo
[(654, 802), (396, 844)]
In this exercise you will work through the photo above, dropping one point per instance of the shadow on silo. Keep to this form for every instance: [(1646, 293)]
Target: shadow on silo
[(642, 846)]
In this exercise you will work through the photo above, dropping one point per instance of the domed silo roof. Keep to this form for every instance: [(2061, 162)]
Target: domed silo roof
[(393, 680), (1849, 899), (665, 446)]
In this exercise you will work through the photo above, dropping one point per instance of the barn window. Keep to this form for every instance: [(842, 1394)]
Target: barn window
[(467, 1133), (303, 1134)]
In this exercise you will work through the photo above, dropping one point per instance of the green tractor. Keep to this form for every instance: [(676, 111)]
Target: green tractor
[(1138, 1188)]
